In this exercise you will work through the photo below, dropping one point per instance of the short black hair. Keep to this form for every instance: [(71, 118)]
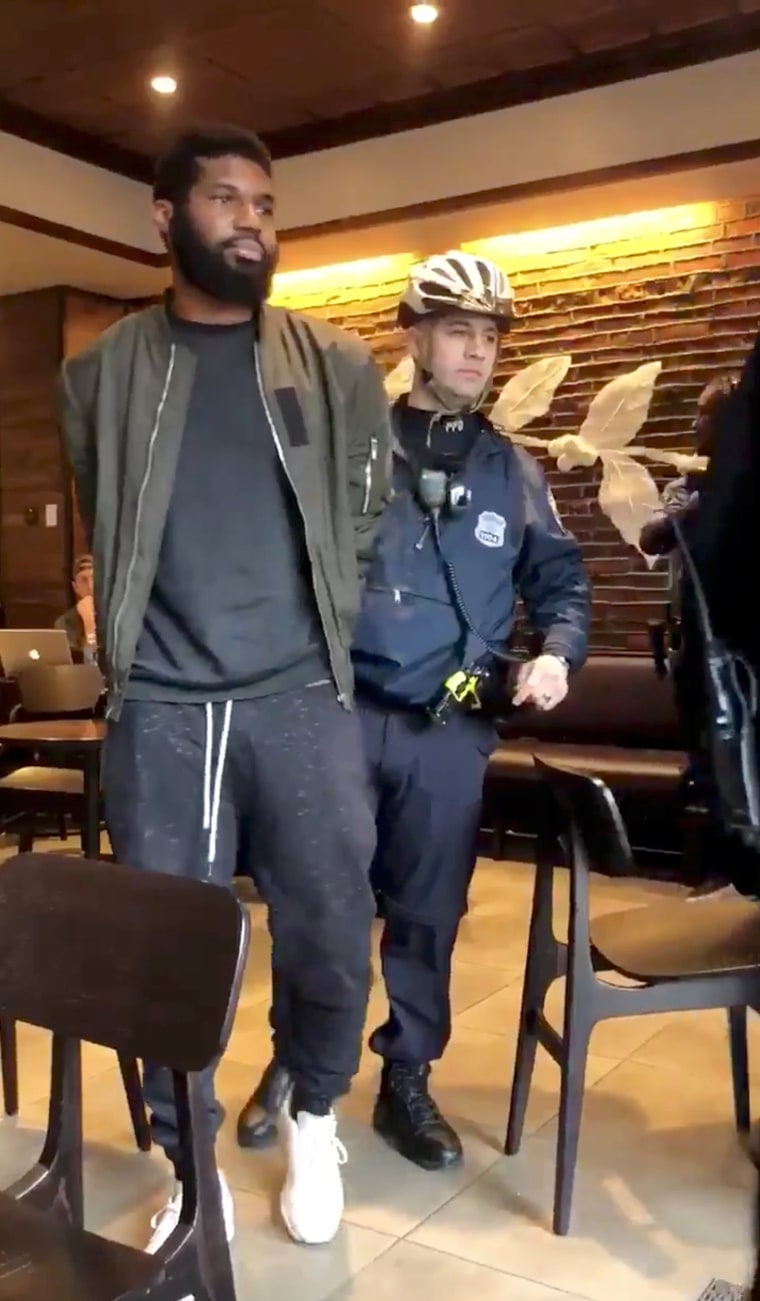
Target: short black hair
[(81, 562), (178, 168)]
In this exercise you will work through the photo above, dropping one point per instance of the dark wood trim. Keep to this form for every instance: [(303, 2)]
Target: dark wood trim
[(67, 477), (64, 139), (83, 238), (661, 53), (744, 151)]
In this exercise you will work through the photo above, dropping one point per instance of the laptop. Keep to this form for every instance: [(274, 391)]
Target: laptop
[(20, 647)]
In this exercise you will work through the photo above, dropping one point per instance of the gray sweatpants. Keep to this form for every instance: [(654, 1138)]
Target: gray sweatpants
[(182, 783)]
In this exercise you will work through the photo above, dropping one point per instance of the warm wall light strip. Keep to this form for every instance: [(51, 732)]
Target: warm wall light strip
[(361, 269), (603, 230), (343, 280), (373, 277)]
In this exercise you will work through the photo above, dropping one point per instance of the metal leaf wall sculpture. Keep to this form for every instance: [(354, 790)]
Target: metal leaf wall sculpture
[(399, 380), (529, 393), (628, 495)]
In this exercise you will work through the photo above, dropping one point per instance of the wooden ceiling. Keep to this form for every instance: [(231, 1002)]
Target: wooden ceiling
[(310, 73)]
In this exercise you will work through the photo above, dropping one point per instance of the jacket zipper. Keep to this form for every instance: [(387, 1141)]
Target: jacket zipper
[(289, 477), (369, 470), (399, 594), (140, 503)]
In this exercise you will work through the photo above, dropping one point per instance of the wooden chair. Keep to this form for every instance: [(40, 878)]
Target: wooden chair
[(121, 969), (50, 690), (682, 956), (33, 792), (9, 1065)]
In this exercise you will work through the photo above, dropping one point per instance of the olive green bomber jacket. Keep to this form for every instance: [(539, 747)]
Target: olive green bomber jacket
[(124, 400)]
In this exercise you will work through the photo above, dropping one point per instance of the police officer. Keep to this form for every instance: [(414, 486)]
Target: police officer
[(471, 526)]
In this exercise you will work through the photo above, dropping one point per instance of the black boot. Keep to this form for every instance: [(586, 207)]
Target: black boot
[(257, 1122), (410, 1122)]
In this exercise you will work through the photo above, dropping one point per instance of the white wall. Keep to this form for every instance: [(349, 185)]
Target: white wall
[(654, 117), (47, 184), (431, 234), (32, 261)]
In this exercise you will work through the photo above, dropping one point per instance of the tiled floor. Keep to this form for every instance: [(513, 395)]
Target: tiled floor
[(663, 1191)]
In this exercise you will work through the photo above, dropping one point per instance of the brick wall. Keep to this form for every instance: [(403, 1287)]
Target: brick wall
[(682, 287)]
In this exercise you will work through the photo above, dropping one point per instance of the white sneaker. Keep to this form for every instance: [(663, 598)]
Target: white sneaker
[(165, 1222), (312, 1198)]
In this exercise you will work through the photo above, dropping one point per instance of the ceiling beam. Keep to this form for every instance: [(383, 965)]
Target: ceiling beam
[(82, 238), (705, 44), (711, 41), (63, 139)]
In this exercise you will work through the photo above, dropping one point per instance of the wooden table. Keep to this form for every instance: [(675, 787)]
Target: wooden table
[(66, 739)]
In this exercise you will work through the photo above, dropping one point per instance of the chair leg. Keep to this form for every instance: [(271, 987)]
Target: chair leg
[(26, 835), (56, 1183), (534, 994), (498, 839), (9, 1057), (63, 828), (213, 1248), (577, 1036), (737, 1033), (130, 1075), (545, 963)]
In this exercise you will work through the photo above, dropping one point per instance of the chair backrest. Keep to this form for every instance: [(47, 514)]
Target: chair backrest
[(147, 964), (55, 689), (591, 816)]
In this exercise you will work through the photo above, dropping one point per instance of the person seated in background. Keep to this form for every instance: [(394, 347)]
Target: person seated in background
[(680, 501), (79, 622)]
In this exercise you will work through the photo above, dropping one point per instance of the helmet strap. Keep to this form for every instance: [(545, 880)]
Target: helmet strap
[(444, 399)]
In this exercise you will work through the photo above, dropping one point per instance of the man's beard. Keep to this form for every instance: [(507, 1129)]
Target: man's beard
[(206, 268)]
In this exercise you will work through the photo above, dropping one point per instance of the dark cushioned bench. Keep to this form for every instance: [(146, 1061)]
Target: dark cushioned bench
[(618, 722), (655, 771)]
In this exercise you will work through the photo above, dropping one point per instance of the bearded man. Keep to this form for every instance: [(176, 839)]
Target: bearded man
[(231, 462)]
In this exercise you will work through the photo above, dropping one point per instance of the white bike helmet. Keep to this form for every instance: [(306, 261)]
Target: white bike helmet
[(457, 281)]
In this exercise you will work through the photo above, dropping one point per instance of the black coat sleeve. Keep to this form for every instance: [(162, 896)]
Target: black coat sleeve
[(727, 537)]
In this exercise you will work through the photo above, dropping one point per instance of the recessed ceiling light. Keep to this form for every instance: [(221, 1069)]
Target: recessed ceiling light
[(424, 13), (163, 85)]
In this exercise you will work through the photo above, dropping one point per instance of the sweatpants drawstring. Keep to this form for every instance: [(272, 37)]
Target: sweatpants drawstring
[(212, 793)]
